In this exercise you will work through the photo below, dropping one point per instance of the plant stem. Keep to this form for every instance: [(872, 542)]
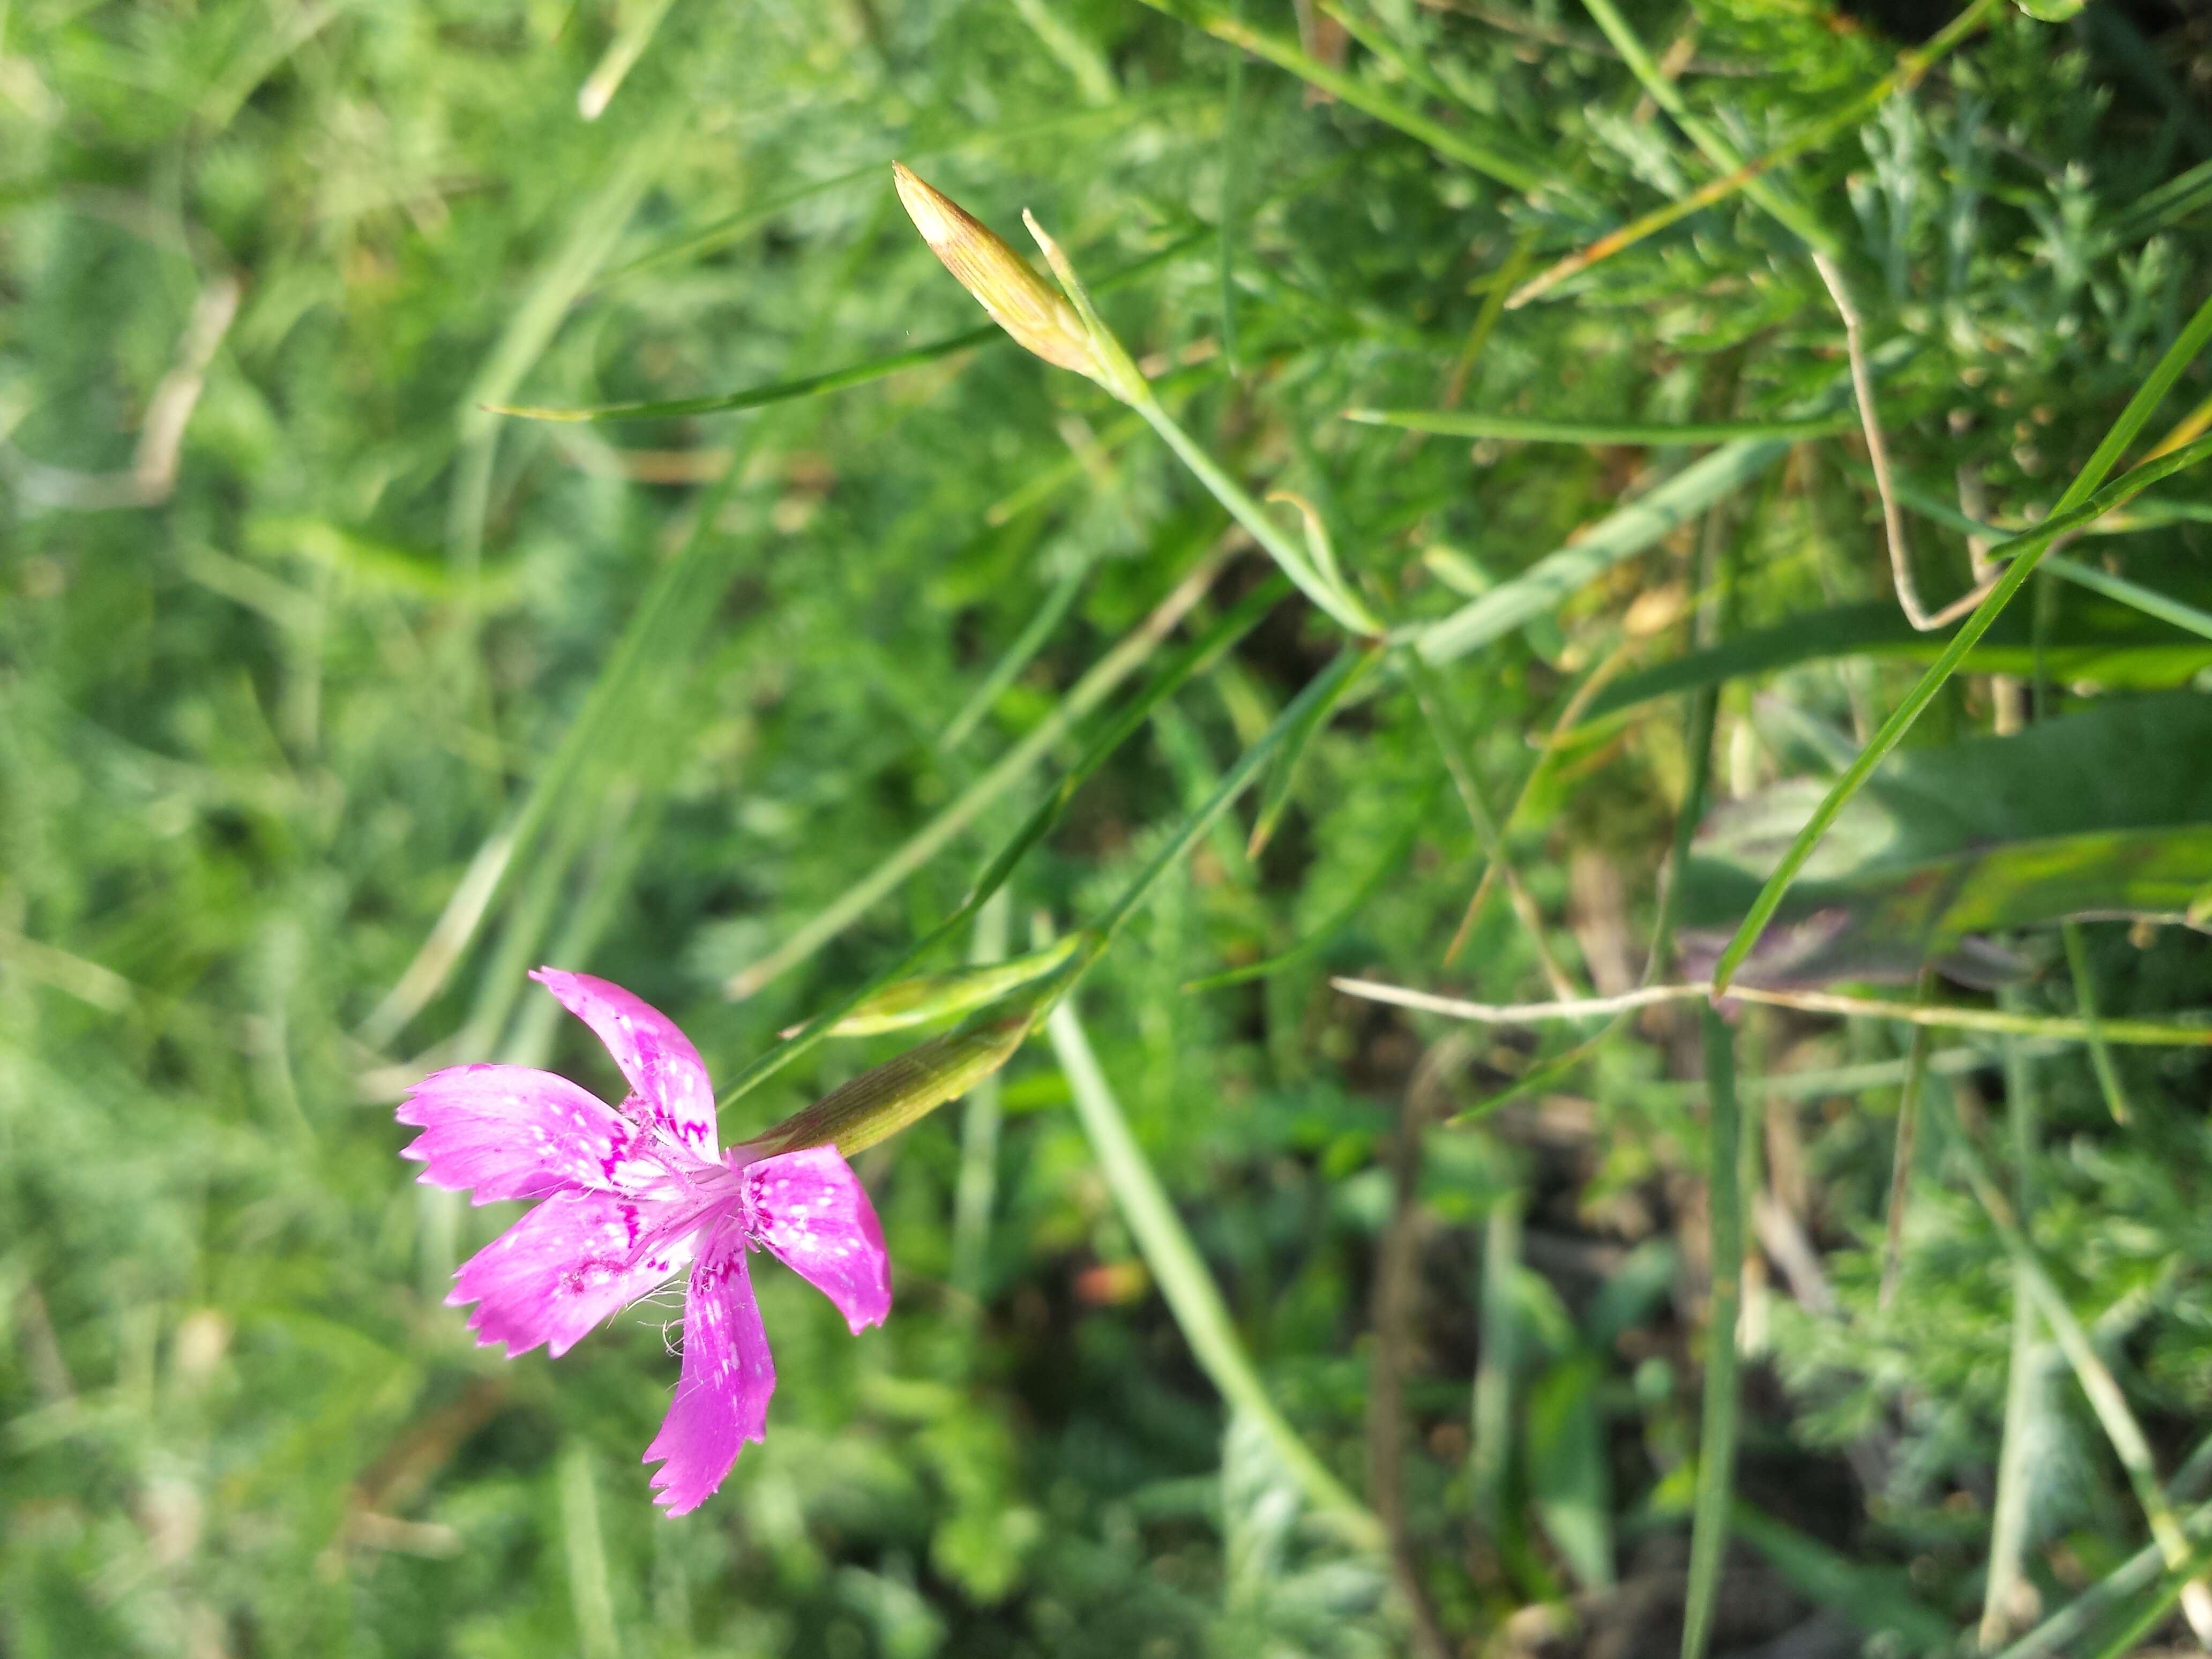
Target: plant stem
[(1718, 1431)]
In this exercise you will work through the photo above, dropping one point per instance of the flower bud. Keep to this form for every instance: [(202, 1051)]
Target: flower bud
[(1019, 300), (886, 1098), (929, 997)]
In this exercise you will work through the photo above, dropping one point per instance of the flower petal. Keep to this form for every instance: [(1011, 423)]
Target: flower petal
[(509, 1132), (721, 1398), (561, 1270), (672, 1095), (810, 1208)]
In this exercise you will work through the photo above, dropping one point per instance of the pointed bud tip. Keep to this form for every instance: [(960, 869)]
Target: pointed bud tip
[(1003, 283)]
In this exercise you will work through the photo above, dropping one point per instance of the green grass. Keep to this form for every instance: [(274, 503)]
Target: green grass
[(822, 638)]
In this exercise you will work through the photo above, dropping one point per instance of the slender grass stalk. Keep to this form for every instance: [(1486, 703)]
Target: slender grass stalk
[(1235, 139), (2082, 503), (589, 1593), (1658, 434), (661, 633), (1058, 602), (2085, 998), (1093, 74), (2149, 600), (1188, 1287), (2027, 1401), (1570, 718), (1234, 782), (599, 222), (977, 1185), (1907, 1142), (1717, 1434), (1336, 600), (1282, 776), (640, 22), (1490, 1450), (1501, 282)]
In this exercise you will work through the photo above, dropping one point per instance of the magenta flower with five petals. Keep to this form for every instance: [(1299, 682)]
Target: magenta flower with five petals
[(628, 1197)]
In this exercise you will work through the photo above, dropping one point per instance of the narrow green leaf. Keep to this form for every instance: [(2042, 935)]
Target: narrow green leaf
[(1709, 1520), (1181, 1273), (2088, 642), (928, 997), (1879, 1601), (810, 385), (1529, 429), (1620, 535), (1282, 775), (2085, 998)]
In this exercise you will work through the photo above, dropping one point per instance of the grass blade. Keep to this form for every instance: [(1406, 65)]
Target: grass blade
[(976, 1188), (1901, 1154), (1057, 603), (1619, 536), (808, 386), (1275, 797), (1709, 1521), (759, 396), (2027, 1402), (1878, 1599), (1490, 1451), (1188, 1288), (2149, 600), (1529, 429), (2085, 998)]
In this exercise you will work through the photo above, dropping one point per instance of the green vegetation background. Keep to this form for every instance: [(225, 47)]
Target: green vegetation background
[(357, 656)]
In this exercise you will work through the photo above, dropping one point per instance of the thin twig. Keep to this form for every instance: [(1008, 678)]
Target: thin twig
[(1892, 518), (2147, 1032), (1397, 1289), (152, 476)]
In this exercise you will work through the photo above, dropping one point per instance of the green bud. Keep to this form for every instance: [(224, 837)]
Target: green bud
[(928, 997), (886, 1098), (1019, 300)]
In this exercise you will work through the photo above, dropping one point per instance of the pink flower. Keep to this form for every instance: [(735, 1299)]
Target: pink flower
[(630, 1196)]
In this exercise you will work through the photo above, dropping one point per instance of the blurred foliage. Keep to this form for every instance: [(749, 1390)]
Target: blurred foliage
[(330, 702)]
